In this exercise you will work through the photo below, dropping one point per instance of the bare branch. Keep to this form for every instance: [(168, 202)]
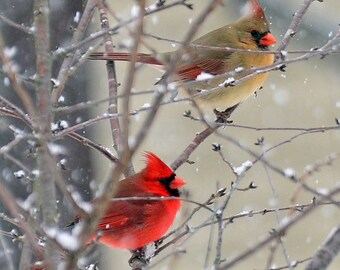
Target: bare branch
[(327, 252), (68, 61), (16, 25)]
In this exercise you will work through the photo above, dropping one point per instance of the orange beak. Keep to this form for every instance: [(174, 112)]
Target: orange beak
[(267, 40), (177, 183)]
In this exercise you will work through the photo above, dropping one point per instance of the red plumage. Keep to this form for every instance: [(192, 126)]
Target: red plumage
[(132, 224)]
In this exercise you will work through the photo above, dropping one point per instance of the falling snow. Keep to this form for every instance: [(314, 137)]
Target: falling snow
[(65, 239), (78, 119), (28, 203), (285, 220), (132, 141), (36, 172), (10, 52), (281, 97), (155, 19), (76, 17), (323, 191), (6, 81), (135, 10), (87, 207), (57, 149)]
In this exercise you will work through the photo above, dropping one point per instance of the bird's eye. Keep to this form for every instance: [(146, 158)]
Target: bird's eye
[(255, 34), (166, 181)]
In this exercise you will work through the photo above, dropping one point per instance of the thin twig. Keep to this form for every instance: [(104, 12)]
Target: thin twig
[(87, 142), (281, 230), (277, 214), (274, 168), (20, 27), (70, 56), (10, 202), (199, 138), (17, 86), (292, 28)]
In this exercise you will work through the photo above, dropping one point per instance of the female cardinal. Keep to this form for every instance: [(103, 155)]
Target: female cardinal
[(248, 33), (132, 224)]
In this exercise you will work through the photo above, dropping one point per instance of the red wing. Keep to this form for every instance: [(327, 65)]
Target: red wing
[(122, 214), (202, 63), (212, 66), (114, 219)]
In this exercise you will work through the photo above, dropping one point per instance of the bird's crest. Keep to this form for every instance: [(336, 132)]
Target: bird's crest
[(256, 9), (155, 167)]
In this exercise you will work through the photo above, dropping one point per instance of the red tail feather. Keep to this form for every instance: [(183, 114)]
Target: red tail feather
[(121, 56)]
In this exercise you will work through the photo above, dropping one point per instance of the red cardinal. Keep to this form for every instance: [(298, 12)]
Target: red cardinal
[(248, 33), (132, 224)]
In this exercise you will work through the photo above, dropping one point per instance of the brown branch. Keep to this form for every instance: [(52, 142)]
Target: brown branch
[(116, 130), (20, 27), (43, 93), (126, 91), (87, 142), (111, 76), (68, 61), (297, 19), (199, 138), (327, 252), (10, 202), (44, 185), (311, 170), (15, 111)]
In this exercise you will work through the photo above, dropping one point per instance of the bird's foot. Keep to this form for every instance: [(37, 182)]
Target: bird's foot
[(158, 243), (223, 116), (138, 259)]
